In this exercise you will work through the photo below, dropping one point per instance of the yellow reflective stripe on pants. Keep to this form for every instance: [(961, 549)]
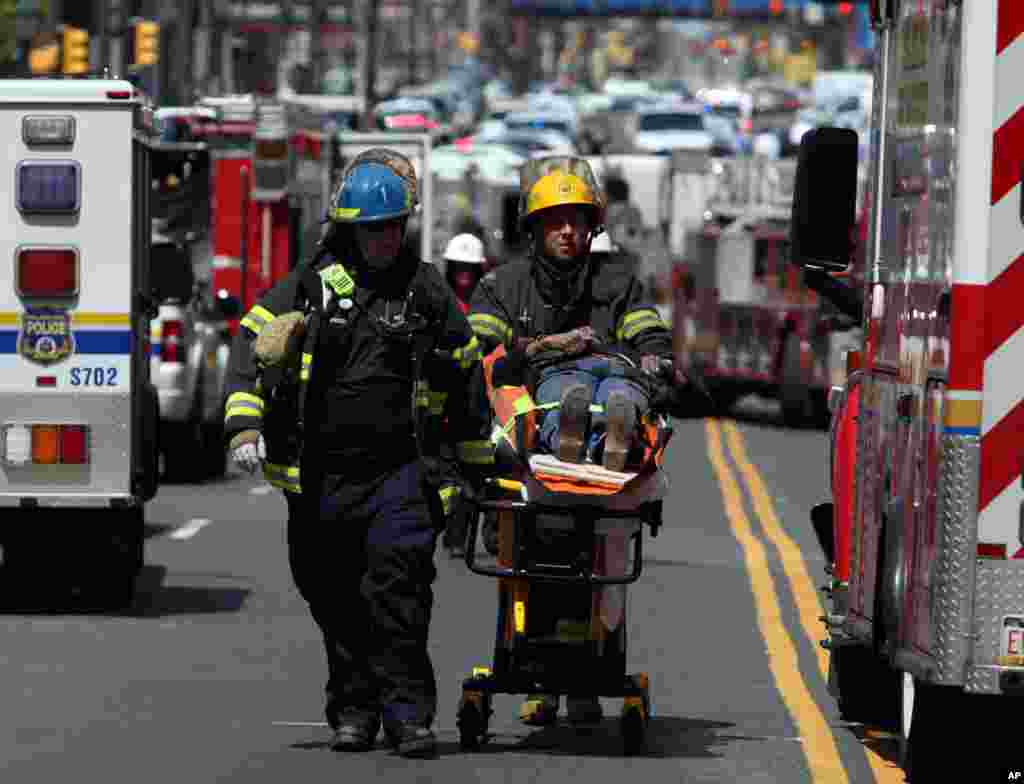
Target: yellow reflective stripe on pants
[(448, 497), (475, 452), (307, 364), (468, 354), (283, 477), (256, 319), (490, 326)]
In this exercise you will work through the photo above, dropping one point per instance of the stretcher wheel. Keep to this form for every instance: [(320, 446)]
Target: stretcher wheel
[(474, 715), (636, 715)]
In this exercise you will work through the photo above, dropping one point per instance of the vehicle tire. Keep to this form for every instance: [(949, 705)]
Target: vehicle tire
[(866, 686), (794, 394), (114, 586), (891, 586), (949, 723), (181, 443), (215, 451)]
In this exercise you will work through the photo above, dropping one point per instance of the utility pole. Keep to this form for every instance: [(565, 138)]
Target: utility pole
[(370, 60), (410, 6), (318, 17), (473, 18)]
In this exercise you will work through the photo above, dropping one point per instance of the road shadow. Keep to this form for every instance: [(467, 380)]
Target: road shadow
[(885, 744), (152, 599), (156, 530), (667, 737)]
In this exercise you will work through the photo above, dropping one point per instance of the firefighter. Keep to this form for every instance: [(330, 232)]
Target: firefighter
[(563, 297), (465, 264), (354, 361)]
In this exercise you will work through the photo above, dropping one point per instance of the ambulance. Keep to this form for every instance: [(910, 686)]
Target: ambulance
[(927, 622), (78, 414)]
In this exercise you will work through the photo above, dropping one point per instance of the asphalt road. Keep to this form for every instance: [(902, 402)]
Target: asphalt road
[(216, 672)]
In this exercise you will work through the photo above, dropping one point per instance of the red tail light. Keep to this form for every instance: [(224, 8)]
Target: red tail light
[(170, 339), (74, 445), (47, 272)]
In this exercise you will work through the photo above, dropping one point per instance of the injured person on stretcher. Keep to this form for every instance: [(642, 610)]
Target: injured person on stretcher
[(589, 404)]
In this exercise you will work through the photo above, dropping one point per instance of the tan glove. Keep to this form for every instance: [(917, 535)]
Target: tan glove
[(577, 341), (248, 450), (280, 341)]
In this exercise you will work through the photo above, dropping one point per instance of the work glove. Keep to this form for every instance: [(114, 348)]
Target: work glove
[(661, 367), (280, 341), (248, 450), (572, 343)]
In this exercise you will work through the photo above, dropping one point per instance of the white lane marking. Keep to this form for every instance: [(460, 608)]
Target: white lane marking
[(261, 490), (298, 723), (191, 528)]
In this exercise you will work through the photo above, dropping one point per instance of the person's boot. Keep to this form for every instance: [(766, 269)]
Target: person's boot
[(539, 710), (413, 741), (355, 731), (573, 422), (584, 710), (621, 412)]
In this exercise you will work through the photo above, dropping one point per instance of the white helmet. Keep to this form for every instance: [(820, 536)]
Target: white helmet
[(465, 247), (602, 243)]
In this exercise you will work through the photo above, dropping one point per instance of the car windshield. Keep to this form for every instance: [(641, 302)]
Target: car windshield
[(674, 121), (729, 110), (548, 125)]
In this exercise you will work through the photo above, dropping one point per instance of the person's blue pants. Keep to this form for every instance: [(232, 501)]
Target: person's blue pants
[(363, 558), (597, 373)]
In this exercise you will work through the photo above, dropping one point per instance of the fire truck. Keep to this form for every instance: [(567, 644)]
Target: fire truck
[(252, 228), (926, 624), (742, 317)]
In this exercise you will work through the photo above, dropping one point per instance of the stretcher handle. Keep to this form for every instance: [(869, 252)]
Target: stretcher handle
[(530, 576)]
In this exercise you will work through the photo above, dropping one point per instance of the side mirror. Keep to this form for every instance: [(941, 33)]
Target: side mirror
[(825, 199), (228, 306), (170, 270)]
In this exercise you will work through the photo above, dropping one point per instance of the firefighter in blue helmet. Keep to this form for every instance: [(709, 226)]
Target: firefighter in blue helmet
[(367, 352)]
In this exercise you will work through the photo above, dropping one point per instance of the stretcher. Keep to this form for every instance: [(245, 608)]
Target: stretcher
[(569, 539)]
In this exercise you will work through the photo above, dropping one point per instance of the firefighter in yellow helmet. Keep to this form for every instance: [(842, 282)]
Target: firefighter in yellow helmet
[(569, 315)]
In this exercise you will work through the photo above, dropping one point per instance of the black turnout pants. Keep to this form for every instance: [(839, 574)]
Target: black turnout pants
[(362, 556)]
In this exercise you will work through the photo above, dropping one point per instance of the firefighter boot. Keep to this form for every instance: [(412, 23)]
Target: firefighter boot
[(573, 422), (413, 741), (355, 731), (539, 710), (621, 413)]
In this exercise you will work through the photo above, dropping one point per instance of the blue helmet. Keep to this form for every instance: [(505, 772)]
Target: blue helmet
[(370, 192)]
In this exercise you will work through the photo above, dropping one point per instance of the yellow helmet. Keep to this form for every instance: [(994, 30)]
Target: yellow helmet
[(563, 181)]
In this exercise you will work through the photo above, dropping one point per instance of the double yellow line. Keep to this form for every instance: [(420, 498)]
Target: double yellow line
[(819, 744)]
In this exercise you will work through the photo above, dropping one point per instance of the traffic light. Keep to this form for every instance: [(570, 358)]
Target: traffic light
[(147, 42), (75, 50), (45, 58)]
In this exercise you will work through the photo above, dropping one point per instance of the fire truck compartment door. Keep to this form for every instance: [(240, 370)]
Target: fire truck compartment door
[(735, 267)]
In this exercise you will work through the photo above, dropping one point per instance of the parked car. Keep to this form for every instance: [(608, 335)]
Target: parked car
[(189, 348)]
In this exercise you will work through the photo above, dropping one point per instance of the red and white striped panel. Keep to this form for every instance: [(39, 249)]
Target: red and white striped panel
[(1003, 342)]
